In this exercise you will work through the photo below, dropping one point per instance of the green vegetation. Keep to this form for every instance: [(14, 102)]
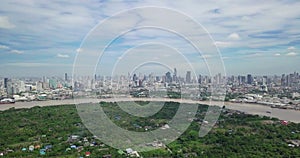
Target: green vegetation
[(232, 96), (235, 134), (172, 94)]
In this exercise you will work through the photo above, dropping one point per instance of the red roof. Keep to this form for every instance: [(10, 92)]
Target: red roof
[(87, 153), (283, 122)]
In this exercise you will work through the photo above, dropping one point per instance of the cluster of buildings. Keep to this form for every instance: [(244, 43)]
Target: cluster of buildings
[(30, 89), (278, 90), (76, 143), (275, 91)]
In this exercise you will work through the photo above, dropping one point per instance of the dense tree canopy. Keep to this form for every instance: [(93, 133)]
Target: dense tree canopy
[(235, 135)]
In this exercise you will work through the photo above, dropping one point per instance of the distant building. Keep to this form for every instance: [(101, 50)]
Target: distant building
[(44, 79), (200, 79), (9, 87), (249, 79), (188, 78), (5, 82), (135, 79), (264, 80), (168, 77), (52, 84), (242, 80), (175, 76), (66, 77), (157, 79), (39, 86)]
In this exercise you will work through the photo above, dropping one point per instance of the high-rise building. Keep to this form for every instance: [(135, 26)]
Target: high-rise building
[(175, 75), (264, 80), (249, 79), (283, 83), (39, 86), (135, 79), (21, 86), (288, 80), (200, 79), (168, 77), (52, 84), (242, 80), (188, 78), (175, 72), (44, 79), (157, 79), (66, 77), (5, 82), (10, 88)]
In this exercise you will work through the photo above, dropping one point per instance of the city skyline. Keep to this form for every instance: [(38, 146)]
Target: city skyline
[(70, 76), (277, 91), (129, 78), (42, 38)]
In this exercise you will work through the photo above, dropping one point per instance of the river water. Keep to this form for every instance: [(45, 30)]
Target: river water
[(283, 114)]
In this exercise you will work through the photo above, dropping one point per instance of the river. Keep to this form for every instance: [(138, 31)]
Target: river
[(283, 114)]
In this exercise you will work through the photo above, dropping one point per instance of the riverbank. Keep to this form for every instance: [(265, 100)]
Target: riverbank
[(283, 114)]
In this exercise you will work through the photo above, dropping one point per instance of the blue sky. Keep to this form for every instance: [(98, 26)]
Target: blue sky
[(43, 37)]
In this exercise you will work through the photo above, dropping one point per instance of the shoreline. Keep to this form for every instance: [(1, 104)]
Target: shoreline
[(249, 108)]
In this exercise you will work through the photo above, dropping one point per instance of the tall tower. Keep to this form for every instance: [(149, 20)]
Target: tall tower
[(175, 75), (44, 79), (168, 77), (5, 82), (188, 77), (200, 79), (175, 72), (249, 79), (66, 77)]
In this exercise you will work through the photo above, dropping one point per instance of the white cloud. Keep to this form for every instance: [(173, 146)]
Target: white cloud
[(277, 54), (14, 51), (62, 55), (291, 54), (5, 23), (234, 36), (223, 44), (291, 48), (78, 50), (4, 47)]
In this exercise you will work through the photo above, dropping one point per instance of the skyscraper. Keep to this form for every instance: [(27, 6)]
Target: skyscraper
[(5, 82), (135, 80), (168, 77), (249, 79), (44, 79), (200, 79), (188, 77), (66, 77), (242, 80), (264, 80), (175, 75)]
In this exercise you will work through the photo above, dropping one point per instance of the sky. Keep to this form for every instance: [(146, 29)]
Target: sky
[(47, 38)]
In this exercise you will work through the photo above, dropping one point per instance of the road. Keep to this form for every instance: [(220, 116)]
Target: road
[(283, 114)]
